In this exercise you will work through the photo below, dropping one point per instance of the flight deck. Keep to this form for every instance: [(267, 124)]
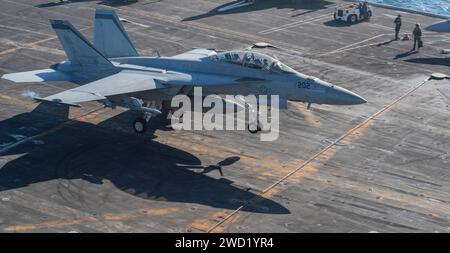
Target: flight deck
[(383, 166)]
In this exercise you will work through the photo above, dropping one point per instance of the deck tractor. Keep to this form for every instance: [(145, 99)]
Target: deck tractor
[(352, 12)]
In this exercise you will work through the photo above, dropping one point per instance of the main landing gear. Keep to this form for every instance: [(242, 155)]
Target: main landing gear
[(141, 123)]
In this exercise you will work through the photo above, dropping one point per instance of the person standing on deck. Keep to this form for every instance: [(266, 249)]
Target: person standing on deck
[(398, 25), (417, 34)]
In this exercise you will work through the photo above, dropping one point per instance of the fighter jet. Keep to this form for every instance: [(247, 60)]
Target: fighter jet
[(441, 27), (115, 74)]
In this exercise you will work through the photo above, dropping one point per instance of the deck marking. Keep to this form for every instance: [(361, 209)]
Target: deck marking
[(22, 30), (51, 130), (114, 217), (290, 25), (201, 26), (309, 116), (355, 130), (444, 95), (296, 51), (31, 44), (352, 45)]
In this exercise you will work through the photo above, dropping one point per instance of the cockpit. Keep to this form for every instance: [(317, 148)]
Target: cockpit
[(253, 60)]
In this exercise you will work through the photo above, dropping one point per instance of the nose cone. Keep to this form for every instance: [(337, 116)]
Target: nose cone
[(340, 96), (443, 26)]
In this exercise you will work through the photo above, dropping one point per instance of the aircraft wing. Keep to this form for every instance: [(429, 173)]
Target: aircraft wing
[(123, 82), (194, 54), (42, 75)]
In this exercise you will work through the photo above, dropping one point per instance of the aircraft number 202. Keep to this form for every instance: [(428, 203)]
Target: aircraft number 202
[(303, 85)]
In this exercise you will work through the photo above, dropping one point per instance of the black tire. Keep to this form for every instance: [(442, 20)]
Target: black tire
[(252, 129), (352, 19), (140, 125)]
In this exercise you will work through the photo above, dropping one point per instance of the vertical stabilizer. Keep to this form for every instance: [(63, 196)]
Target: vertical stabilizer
[(78, 49), (110, 37)]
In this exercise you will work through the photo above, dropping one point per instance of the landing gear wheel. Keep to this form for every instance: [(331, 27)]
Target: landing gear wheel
[(140, 125), (253, 128), (352, 19)]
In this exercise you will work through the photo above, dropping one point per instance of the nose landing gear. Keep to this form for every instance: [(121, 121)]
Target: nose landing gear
[(140, 125), (253, 127)]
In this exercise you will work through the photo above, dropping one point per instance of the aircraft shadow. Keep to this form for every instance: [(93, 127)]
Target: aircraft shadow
[(134, 164), (431, 61), (306, 5), (43, 116)]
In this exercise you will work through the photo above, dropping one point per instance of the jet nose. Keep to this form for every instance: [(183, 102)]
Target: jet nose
[(341, 96)]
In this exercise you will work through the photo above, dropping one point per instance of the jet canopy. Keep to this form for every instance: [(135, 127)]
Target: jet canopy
[(253, 60)]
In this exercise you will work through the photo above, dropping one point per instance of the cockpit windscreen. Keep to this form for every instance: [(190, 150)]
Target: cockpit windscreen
[(253, 60)]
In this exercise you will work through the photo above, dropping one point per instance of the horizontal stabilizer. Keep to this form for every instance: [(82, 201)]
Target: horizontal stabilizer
[(124, 82), (57, 101), (42, 75)]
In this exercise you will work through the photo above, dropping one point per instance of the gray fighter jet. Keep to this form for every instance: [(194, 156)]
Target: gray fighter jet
[(440, 27), (113, 73)]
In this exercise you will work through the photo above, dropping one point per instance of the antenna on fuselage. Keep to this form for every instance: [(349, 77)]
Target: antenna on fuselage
[(261, 45), (157, 52)]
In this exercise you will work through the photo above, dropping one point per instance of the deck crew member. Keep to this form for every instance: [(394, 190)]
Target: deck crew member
[(417, 34), (398, 25)]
